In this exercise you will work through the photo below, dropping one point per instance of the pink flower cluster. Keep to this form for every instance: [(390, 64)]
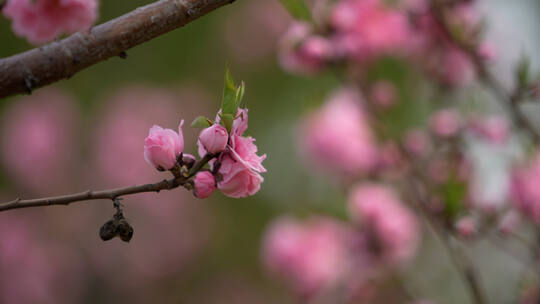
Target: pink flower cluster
[(320, 254), (40, 21), (235, 166), (361, 31)]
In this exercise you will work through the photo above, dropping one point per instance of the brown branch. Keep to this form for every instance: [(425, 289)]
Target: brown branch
[(110, 194), (58, 60)]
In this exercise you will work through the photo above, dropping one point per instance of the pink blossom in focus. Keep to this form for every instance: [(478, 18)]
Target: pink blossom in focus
[(383, 94), (445, 123), (467, 226), (214, 138), (417, 142), (311, 255), (38, 141), (392, 225), (525, 192), (368, 28), (204, 184), (163, 146), (44, 20), (240, 166), (337, 136)]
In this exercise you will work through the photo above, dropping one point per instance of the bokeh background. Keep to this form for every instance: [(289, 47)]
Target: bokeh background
[(87, 133)]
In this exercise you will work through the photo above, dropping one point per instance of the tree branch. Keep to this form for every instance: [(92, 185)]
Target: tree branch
[(58, 60), (111, 194), (509, 101)]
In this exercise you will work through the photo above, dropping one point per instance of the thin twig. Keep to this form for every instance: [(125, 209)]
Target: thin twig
[(58, 60), (109, 194)]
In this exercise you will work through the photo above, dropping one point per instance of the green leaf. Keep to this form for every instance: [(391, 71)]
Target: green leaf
[(227, 121), (297, 8), (228, 103), (240, 90), (523, 71), (201, 122), (453, 192)]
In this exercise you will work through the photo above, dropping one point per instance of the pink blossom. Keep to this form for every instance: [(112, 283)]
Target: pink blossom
[(239, 164), (38, 147), (467, 226), (494, 129), (43, 20), (163, 146), (383, 94), (337, 136), (525, 192), (392, 225), (311, 255), (204, 183), (368, 28), (417, 142), (240, 168), (299, 52), (445, 123), (214, 138)]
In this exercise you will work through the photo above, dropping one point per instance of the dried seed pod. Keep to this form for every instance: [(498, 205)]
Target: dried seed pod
[(124, 230), (108, 230)]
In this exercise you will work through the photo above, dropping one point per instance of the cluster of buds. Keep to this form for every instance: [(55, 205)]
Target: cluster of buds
[(234, 166)]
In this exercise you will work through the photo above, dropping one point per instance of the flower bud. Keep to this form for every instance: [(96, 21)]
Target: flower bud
[(214, 139), (205, 184), (163, 146)]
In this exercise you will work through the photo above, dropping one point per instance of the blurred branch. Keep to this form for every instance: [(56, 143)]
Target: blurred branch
[(459, 259), (510, 101), (58, 60), (111, 194)]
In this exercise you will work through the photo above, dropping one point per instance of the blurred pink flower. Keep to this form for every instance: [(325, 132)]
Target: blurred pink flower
[(38, 141), (302, 52), (383, 94), (214, 138), (337, 136), (204, 184), (368, 28), (467, 227), (384, 217), (494, 129), (44, 20), (311, 255), (417, 142), (445, 123), (163, 146), (525, 192)]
